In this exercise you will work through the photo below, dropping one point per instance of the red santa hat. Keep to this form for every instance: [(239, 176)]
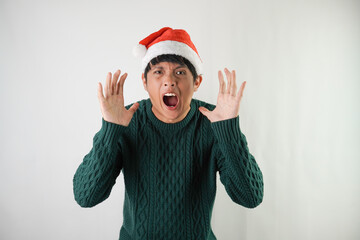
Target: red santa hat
[(168, 41)]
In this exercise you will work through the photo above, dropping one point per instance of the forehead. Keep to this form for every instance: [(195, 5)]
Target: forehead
[(168, 65)]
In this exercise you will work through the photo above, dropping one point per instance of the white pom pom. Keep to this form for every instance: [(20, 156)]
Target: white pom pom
[(139, 51)]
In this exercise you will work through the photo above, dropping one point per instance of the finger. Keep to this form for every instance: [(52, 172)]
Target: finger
[(241, 90), (107, 84), (229, 83), (233, 91), (114, 81), (134, 107), (204, 111), (100, 92), (121, 84), (221, 82)]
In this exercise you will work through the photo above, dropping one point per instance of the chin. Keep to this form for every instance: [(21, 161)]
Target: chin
[(173, 115)]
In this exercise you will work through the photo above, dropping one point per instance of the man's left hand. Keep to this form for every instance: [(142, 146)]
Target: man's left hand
[(228, 102)]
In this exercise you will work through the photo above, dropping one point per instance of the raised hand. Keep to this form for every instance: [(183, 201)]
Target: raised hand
[(112, 104), (228, 101)]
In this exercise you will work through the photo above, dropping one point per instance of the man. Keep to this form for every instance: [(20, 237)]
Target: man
[(169, 146)]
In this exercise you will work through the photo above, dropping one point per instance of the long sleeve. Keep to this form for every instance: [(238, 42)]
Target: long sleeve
[(96, 175), (239, 172)]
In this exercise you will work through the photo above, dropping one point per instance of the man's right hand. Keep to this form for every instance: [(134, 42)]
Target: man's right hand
[(112, 104)]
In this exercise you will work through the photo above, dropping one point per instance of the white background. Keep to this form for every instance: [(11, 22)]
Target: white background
[(300, 110)]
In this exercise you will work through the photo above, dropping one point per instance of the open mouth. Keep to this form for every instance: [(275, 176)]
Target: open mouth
[(170, 100)]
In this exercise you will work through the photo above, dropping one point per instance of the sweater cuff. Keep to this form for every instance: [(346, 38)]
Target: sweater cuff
[(111, 131), (227, 130)]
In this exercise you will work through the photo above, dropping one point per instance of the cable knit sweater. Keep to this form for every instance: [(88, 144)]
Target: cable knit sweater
[(169, 172)]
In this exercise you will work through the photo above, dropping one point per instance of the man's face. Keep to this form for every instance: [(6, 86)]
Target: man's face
[(170, 87)]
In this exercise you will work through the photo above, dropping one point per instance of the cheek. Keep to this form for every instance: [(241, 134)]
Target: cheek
[(153, 90), (188, 87)]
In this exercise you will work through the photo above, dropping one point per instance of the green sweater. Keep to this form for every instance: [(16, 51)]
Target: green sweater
[(169, 172)]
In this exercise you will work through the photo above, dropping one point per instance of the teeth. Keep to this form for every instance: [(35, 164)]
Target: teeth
[(170, 94)]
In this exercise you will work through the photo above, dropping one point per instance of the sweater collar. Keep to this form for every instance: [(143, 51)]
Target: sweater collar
[(169, 126)]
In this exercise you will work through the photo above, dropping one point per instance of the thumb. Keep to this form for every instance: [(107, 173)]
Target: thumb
[(204, 111), (134, 107)]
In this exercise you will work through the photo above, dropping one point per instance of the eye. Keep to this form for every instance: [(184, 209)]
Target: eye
[(157, 72), (181, 72)]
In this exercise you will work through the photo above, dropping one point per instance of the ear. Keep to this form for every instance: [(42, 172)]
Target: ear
[(197, 82), (144, 81)]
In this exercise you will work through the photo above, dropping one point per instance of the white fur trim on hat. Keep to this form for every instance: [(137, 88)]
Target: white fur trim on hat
[(172, 47)]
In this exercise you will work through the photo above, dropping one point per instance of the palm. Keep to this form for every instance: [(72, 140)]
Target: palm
[(112, 104), (228, 101)]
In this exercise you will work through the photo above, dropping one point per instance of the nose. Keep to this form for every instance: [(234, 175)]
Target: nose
[(169, 84), (169, 81)]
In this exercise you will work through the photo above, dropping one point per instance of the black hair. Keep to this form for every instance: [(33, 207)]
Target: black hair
[(171, 58)]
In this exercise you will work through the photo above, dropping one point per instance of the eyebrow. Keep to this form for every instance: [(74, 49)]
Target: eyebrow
[(180, 66)]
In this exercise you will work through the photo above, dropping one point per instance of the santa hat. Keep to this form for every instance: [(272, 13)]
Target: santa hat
[(168, 41)]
